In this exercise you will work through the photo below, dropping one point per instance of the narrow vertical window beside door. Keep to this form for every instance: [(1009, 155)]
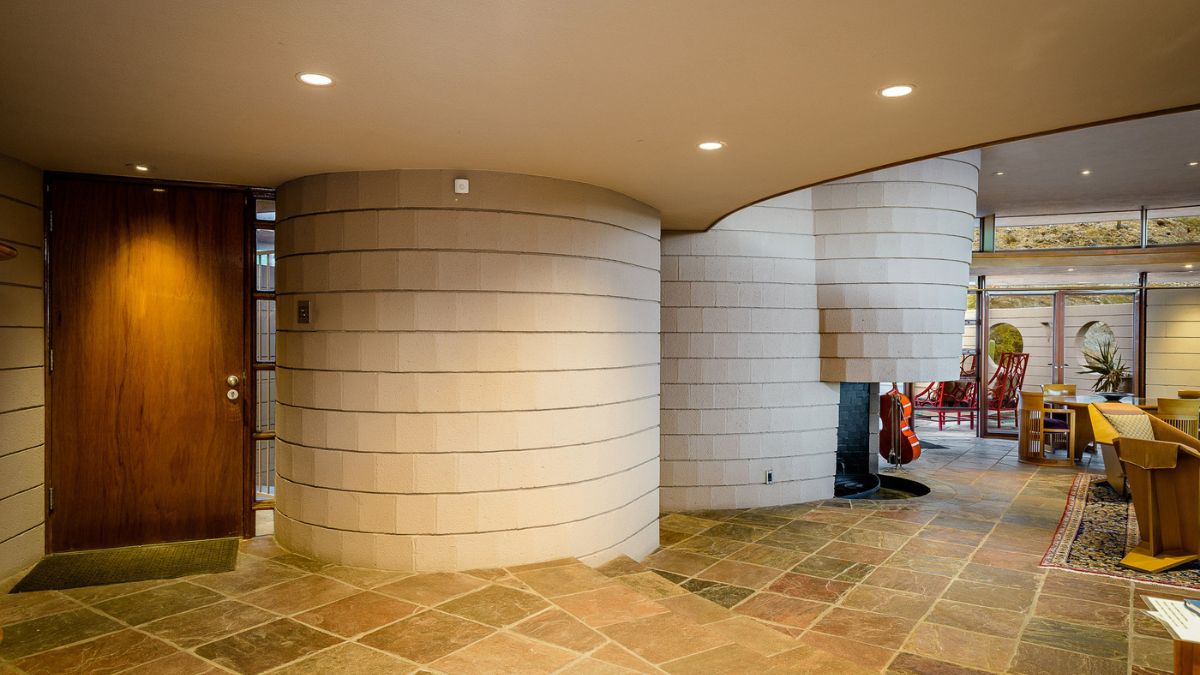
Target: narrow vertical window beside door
[(264, 355)]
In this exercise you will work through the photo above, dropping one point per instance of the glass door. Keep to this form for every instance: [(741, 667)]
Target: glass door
[(1099, 333), (1018, 353), (1054, 336)]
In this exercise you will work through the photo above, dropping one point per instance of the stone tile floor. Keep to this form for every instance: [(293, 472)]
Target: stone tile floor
[(948, 583)]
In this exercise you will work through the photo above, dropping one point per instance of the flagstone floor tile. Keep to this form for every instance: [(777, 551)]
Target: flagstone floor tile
[(948, 584)]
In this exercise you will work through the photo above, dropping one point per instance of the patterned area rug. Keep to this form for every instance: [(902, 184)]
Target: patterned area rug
[(1096, 530)]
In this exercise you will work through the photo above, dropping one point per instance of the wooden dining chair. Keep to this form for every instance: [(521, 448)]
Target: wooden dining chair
[(1181, 413), (1058, 390), (1036, 423)]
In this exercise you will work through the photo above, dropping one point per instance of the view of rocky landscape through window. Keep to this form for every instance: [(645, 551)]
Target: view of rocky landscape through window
[(1165, 227)]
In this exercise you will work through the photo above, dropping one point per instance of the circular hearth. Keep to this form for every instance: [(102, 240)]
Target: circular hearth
[(855, 486), (896, 487), (882, 487)]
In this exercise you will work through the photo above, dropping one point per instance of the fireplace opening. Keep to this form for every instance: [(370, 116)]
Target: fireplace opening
[(858, 474)]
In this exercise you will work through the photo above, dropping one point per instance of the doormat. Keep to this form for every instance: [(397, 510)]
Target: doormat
[(1098, 527), (132, 563)]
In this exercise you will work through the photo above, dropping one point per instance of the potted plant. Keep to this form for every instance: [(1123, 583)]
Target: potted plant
[(1109, 368)]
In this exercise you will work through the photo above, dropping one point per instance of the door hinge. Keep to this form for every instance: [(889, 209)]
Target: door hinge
[(50, 499), (50, 217), (51, 360)]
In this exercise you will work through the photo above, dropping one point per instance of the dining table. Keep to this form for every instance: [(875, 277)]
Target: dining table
[(1084, 436)]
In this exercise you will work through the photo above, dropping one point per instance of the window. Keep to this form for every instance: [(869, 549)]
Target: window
[(1057, 280), (264, 351), (970, 322), (1173, 226), (1004, 337), (264, 210), (1186, 279), (1083, 230)]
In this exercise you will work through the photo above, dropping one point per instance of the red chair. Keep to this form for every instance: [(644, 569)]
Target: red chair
[(963, 397), (929, 397), (954, 398), (1004, 387)]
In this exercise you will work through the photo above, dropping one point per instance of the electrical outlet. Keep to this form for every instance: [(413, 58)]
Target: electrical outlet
[(770, 476), (303, 312)]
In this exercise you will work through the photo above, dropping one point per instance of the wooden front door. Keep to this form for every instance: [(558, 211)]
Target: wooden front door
[(146, 322)]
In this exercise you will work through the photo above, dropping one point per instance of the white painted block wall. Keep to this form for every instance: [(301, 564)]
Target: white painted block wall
[(479, 385), (893, 251), (22, 388), (860, 280), (741, 389), (1172, 341)]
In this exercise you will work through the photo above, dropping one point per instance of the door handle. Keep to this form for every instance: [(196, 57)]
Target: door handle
[(232, 380)]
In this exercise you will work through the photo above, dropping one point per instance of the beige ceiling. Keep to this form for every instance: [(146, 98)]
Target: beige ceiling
[(1143, 162), (611, 92)]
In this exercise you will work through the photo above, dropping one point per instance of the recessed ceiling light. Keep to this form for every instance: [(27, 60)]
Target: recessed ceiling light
[(158, 189), (1070, 269), (139, 167), (1085, 172), (315, 79), (711, 145), (1187, 266), (998, 173), (896, 90), (1193, 163)]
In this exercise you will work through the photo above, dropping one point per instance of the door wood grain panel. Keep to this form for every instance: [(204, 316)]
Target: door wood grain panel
[(146, 322)]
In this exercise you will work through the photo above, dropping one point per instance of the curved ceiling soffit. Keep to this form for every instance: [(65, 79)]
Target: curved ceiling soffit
[(978, 146), (611, 94)]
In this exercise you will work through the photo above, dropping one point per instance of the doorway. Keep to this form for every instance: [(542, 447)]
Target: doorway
[(146, 346), (1062, 332)]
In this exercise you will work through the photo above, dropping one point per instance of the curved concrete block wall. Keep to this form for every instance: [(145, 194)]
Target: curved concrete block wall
[(859, 280), (893, 251), (479, 385), (741, 390)]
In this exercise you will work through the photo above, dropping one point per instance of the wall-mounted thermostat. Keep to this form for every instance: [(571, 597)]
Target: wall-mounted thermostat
[(462, 186)]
